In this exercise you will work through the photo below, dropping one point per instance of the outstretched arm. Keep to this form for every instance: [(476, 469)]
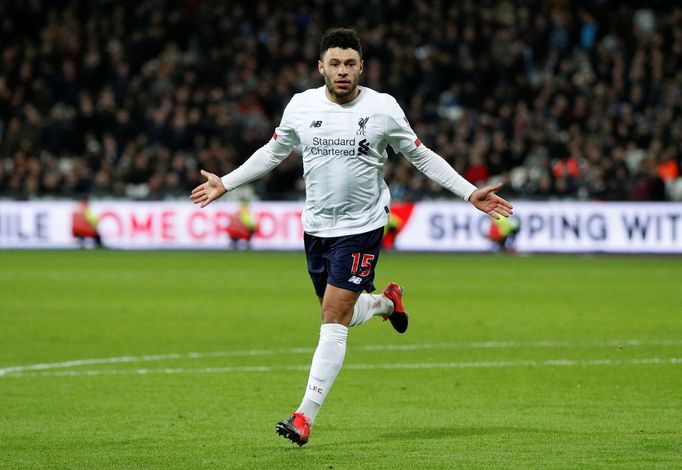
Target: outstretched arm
[(262, 161), (437, 169), (485, 200), (209, 191), (402, 138)]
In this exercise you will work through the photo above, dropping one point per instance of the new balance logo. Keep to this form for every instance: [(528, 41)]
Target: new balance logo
[(316, 124), (355, 280), (363, 148)]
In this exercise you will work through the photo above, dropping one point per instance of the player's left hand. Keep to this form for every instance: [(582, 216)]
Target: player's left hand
[(209, 191), (485, 200)]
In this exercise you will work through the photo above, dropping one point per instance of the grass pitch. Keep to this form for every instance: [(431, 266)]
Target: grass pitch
[(187, 359)]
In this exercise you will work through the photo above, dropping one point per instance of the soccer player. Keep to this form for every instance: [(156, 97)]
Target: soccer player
[(342, 130), (84, 225)]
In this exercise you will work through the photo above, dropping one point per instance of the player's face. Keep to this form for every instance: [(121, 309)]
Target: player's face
[(341, 69)]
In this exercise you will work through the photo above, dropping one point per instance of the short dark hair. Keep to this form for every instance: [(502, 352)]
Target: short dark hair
[(345, 38)]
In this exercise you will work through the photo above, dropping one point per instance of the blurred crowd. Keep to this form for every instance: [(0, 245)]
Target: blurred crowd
[(128, 99)]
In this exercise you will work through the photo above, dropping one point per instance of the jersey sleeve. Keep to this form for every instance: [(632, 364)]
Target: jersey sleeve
[(402, 138), (283, 141)]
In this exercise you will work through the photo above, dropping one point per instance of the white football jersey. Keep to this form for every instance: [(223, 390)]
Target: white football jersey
[(343, 147)]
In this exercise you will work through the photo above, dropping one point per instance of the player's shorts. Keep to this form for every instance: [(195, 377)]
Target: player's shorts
[(346, 262)]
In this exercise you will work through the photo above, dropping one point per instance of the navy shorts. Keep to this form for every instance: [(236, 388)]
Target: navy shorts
[(347, 262)]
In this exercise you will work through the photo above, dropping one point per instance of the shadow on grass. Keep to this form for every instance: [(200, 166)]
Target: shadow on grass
[(443, 432), (423, 433)]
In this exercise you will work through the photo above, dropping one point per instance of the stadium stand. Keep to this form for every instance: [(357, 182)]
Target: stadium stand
[(127, 99)]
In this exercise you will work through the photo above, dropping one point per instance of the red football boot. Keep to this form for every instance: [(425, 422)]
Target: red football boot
[(296, 428), (398, 318)]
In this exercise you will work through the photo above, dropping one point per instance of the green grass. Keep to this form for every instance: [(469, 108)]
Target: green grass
[(471, 385)]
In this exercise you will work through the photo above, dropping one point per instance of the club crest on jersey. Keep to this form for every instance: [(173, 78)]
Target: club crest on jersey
[(362, 126)]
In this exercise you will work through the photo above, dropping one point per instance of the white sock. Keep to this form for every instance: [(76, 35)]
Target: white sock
[(368, 306), (327, 362)]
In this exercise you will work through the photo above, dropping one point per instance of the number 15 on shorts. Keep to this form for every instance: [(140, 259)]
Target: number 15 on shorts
[(362, 264)]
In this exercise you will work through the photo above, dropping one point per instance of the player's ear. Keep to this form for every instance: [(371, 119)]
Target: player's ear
[(362, 65), (320, 67)]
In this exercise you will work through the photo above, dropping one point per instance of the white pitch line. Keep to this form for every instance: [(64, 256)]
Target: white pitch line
[(401, 347), (419, 365)]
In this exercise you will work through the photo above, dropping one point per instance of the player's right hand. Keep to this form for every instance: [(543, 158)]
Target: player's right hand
[(209, 191)]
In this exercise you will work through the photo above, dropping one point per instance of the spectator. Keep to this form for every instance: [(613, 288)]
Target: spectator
[(113, 99)]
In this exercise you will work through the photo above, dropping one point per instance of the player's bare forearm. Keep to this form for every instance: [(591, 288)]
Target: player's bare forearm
[(485, 200), (209, 191)]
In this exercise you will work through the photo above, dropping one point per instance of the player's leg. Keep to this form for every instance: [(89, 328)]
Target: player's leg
[(369, 306), (354, 269), (338, 305), (348, 264), (297, 427), (388, 304), (337, 310)]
